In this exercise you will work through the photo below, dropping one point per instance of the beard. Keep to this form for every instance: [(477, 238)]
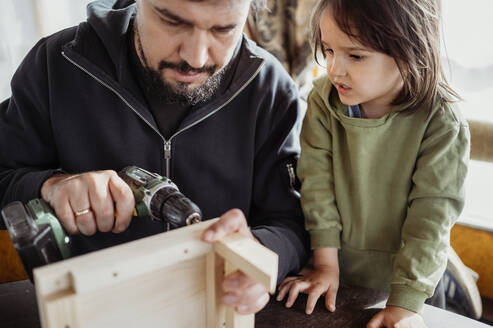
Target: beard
[(181, 92)]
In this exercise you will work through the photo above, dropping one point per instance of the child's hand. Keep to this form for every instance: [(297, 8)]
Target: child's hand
[(324, 279), (394, 316)]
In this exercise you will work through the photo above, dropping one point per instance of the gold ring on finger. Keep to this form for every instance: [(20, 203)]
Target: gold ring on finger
[(82, 212)]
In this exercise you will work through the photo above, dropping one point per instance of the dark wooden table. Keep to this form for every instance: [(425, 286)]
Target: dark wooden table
[(355, 307)]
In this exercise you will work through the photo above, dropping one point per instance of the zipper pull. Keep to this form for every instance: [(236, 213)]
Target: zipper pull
[(167, 156), (293, 181), (292, 175), (167, 150)]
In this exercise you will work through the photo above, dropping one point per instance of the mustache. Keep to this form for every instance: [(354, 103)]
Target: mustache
[(183, 66)]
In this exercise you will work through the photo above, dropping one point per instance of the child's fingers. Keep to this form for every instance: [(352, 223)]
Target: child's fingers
[(284, 289), (294, 291), (287, 281), (313, 297), (330, 297), (376, 321)]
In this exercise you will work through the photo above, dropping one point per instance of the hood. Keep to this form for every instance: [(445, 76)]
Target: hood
[(111, 19)]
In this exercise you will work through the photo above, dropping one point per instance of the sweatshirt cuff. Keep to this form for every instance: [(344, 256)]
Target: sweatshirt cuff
[(406, 297), (30, 183), (325, 238)]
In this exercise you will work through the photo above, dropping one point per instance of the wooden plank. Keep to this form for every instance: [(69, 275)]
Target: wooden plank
[(86, 279), (234, 319), (216, 311), (127, 261), (59, 310), (250, 257), (174, 296)]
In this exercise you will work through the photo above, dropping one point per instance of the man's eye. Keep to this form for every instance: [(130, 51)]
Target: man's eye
[(224, 31), (170, 22)]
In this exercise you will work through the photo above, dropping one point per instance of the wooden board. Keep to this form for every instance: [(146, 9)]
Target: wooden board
[(171, 279)]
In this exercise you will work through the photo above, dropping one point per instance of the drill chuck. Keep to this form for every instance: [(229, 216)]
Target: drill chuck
[(171, 206)]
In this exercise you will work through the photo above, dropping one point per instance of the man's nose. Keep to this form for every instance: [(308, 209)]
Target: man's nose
[(195, 49)]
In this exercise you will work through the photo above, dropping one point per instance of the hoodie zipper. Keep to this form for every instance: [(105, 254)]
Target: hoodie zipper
[(167, 143), (292, 175)]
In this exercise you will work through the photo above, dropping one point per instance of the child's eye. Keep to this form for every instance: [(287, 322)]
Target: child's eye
[(328, 51), (356, 57)]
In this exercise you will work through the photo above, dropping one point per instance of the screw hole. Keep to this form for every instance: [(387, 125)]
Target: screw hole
[(186, 251), (115, 274)]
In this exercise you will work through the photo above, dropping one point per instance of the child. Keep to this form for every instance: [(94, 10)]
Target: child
[(384, 156)]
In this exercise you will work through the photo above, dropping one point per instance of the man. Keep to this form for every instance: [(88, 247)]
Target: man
[(171, 86)]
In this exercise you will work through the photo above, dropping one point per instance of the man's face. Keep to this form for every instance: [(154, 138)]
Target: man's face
[(187, 44)]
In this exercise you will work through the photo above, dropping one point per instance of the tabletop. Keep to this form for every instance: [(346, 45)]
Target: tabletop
[(354, 308)]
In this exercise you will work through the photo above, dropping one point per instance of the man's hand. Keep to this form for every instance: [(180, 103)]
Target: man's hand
[(85, 203), (323, 279), (240, 291), (396, 317)]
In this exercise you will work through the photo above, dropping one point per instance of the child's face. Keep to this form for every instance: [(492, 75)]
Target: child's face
[(361, 75)]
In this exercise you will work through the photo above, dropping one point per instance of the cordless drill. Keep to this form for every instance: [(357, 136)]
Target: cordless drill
[(40, 239)]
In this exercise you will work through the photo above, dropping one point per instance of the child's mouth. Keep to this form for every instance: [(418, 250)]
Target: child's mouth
[(343, 89)]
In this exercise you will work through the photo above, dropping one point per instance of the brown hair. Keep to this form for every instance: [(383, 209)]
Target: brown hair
[(408, 31), (256, 5)]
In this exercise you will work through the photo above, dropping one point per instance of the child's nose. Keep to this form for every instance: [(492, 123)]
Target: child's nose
[(336, 66)]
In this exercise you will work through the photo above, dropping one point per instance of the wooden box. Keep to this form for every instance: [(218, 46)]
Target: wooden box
[(168, 280)]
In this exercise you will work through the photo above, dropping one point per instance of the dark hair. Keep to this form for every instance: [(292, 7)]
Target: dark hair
[(408, 31), (256, 4)]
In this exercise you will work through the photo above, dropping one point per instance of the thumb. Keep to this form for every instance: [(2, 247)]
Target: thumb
[(230, 222)]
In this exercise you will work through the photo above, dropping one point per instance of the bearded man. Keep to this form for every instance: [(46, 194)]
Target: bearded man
[(174, 87)]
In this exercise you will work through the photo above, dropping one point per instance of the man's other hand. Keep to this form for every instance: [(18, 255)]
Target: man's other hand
[(86, 203), (240, 291)]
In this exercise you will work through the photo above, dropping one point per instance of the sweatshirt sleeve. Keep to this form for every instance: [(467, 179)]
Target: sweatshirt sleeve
[(435, 202), (27, 151), (315, 169)]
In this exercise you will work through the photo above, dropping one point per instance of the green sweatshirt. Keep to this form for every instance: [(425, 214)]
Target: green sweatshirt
[(385, 191)]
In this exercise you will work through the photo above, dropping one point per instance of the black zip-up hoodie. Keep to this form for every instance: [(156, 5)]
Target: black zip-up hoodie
[(71, 109)]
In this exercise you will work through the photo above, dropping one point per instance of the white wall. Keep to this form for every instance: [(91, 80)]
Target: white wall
[(24, 22), (468, 34)]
